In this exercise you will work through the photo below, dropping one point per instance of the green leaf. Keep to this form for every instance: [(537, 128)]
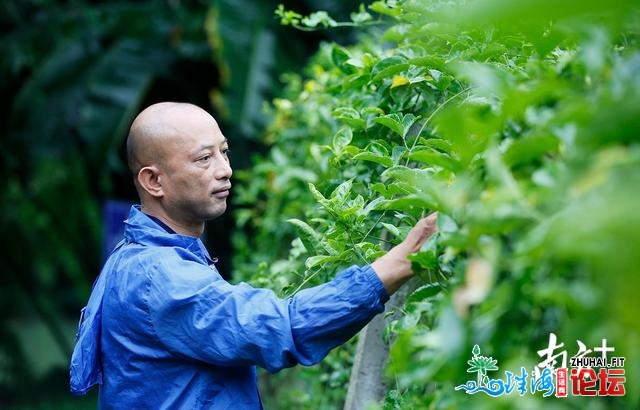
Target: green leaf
[(341, 139), (412, 204), (319, 18), (287, 17), (434, 158), (340, 56), (429, 187), (446, 224), (397, 153), (316, 194), (387, 67), (527, 149), (350, 117), (372, 205), (398, 123), (391, 121), (309, 237), (383, 7), (245, 61), (340, 194), (407, 121), (426, 260), (361, 16), (374, 157), (436, 144), (314, 261), (413, 180), (424, 292), (392, 229)]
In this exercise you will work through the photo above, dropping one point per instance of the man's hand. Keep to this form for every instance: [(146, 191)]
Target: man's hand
[(394, 268)]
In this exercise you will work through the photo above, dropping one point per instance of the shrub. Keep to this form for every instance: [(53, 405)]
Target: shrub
[(516, 121)]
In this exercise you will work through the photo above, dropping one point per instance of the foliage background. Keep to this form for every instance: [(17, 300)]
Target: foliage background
[(73, 74), (521, 132), (517, 122)]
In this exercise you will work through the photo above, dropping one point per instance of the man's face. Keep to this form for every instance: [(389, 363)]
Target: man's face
[(195, 170)]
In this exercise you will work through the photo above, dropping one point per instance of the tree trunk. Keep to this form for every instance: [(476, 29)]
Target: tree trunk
[(367, 383)]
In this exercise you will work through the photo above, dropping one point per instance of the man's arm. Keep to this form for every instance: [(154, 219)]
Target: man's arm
[(394, 268), (206, 318)]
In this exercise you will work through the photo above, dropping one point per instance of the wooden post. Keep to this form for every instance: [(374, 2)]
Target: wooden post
[(367, 384)]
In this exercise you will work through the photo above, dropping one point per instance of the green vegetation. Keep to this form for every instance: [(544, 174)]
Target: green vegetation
[(73, 76), (517, 122)]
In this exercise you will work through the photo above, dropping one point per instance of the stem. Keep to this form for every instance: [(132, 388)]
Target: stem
[(301, 27), (428, 119), (304, 282)]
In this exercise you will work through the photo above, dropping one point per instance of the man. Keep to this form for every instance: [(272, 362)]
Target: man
[(162, 329)]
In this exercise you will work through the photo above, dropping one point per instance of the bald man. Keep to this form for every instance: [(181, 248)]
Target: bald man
[(162, 329)]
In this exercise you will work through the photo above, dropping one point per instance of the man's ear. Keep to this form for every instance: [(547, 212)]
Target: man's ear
[(149, 180)]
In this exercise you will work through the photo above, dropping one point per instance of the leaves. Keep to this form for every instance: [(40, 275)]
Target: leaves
[(72, 80), (309, 237), (341, 139), (520, 132), (381, 159), (245, 60), (388, 67), (398, 123)]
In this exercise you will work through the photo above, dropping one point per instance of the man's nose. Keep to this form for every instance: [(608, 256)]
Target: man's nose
[(223, 170)]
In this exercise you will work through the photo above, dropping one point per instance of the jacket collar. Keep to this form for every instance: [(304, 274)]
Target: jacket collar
[(142, 229)]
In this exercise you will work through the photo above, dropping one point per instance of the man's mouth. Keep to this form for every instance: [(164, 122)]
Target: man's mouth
[(222, 192)]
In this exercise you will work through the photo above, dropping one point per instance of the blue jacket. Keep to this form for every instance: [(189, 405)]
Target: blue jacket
[(163, 330)]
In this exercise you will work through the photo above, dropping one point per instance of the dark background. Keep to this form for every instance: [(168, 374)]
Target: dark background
[(73, 75)]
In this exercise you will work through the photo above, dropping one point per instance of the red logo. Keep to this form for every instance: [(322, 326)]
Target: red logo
[(561, 382), (607, 382)]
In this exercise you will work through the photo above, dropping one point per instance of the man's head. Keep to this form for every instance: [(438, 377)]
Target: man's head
[(178, 157)]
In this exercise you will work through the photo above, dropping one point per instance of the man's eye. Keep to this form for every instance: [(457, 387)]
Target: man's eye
[(205, 158)]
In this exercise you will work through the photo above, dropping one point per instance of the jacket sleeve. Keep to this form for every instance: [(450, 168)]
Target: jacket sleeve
[(197, 314)]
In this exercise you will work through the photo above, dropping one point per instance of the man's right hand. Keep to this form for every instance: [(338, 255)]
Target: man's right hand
[(394, 268)]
